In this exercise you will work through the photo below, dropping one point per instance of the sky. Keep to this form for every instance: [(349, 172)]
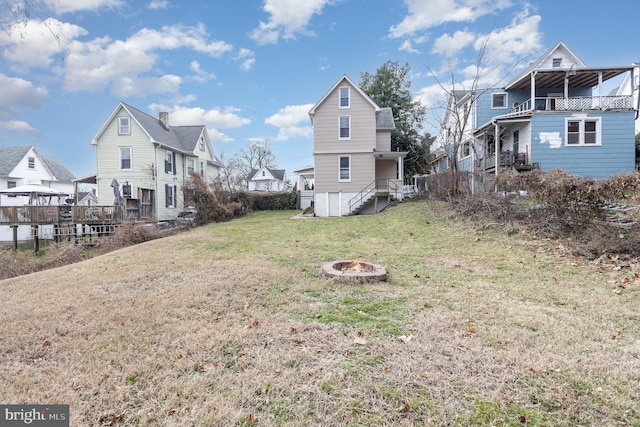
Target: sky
[(251, 70)]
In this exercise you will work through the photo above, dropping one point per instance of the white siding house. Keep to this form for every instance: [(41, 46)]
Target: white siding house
[(355, 169)]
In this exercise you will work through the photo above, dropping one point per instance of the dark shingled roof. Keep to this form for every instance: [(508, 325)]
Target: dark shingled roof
[(58, 169), (384, 121), (277, 173), (179, 138)]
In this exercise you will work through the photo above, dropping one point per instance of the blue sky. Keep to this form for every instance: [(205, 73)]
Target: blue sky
[(251, 69)]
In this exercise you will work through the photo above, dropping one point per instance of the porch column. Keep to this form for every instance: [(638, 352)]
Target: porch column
[(533, 90), (496, 131), (600, 88)]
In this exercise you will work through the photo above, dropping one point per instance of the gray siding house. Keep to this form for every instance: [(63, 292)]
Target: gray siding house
[(355, 169)]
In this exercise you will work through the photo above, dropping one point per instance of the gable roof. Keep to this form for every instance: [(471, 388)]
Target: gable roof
[(578, 73), (183, 139), (276, 173), (10, 157), (57, 169), (338, 83)]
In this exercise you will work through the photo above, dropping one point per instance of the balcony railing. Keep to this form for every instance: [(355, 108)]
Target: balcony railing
[(60, 214), (574, 103)]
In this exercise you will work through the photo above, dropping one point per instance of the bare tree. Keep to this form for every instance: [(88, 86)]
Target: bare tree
[(256, 155), (455, 124), (15, 16)]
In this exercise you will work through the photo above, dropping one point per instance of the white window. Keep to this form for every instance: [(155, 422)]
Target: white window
[(12, 184), (344, 174), (125, 158), (124, 127), (202, 168), (170, 163), (344, 97), (583, 132), (201, 144), (345, 127), (498, 100), (557, 62), (465, 150), (191, 165), (126, 190), (170, 195), (31, 162)]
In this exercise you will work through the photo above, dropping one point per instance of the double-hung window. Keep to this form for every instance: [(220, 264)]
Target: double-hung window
[(124, 127), (344, 174), (170, 195), (124, 154), (201, 143), (170, 163), (202, 168), (344, 97), (191, 166), (583, 131), (345, 127), (31, 162)]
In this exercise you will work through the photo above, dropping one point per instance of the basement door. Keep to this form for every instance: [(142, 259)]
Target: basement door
[(334, 204)]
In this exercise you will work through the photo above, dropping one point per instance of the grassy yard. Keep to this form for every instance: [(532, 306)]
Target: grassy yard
[(233, 324)]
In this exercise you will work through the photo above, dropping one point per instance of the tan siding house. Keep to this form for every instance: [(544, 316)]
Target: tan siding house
[(355, 168), (143, 162)]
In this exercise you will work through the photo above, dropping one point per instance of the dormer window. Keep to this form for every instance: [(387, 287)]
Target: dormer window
[(344, 97), (557, 62)]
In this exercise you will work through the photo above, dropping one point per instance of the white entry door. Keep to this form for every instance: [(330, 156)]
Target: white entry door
[(334, 204)]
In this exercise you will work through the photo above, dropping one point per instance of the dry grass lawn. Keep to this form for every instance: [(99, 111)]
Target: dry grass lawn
[(233, 324)]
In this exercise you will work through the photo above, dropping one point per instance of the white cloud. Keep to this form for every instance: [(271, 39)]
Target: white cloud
[(287, 18), (36, 43), (449, 46), (142, 86), (158, 4), (291, 121), (102, 62), (201, 76), (427, 14), (246, 58), (407, 46), (19, 126), (65, 6), (18, 93)]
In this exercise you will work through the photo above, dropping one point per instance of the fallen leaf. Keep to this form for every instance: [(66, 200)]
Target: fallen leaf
[(46, 343), (471, 330), (346, 418), (251, 418), (426, 304), (405, 408)]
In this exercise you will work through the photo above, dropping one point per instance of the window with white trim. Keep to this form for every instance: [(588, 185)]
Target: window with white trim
[(583, 132), (12, 184), (465, 150), (170, 195), (31, 162), (191, 165), (124, 158), (201, 143), (344, 174), (557, 62), (170, 163), (499, 100), (345, 101), (345, 127), (202, 168), (124, 126)]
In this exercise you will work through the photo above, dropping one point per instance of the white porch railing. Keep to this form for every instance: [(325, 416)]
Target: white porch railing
[(574, 103)]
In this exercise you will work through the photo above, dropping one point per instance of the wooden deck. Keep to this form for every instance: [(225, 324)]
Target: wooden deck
[(43, 215)]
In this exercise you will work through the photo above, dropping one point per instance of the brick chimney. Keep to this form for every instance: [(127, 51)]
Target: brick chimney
[(164, 119)]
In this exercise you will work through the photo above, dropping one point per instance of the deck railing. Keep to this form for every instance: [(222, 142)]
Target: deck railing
[(60, 214), (574, 103)]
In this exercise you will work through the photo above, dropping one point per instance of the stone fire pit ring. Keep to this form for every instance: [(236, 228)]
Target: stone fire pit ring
[(354, 271)]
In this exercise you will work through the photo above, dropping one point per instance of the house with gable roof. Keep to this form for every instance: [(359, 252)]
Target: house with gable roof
[(554, 115), (25, 165), (144, 162), (355, 170), (267, 179)]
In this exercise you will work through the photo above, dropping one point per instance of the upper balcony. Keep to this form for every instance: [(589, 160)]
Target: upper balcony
[(576, 103)]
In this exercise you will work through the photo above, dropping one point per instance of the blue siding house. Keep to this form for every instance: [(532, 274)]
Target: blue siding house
[(553, 115)]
